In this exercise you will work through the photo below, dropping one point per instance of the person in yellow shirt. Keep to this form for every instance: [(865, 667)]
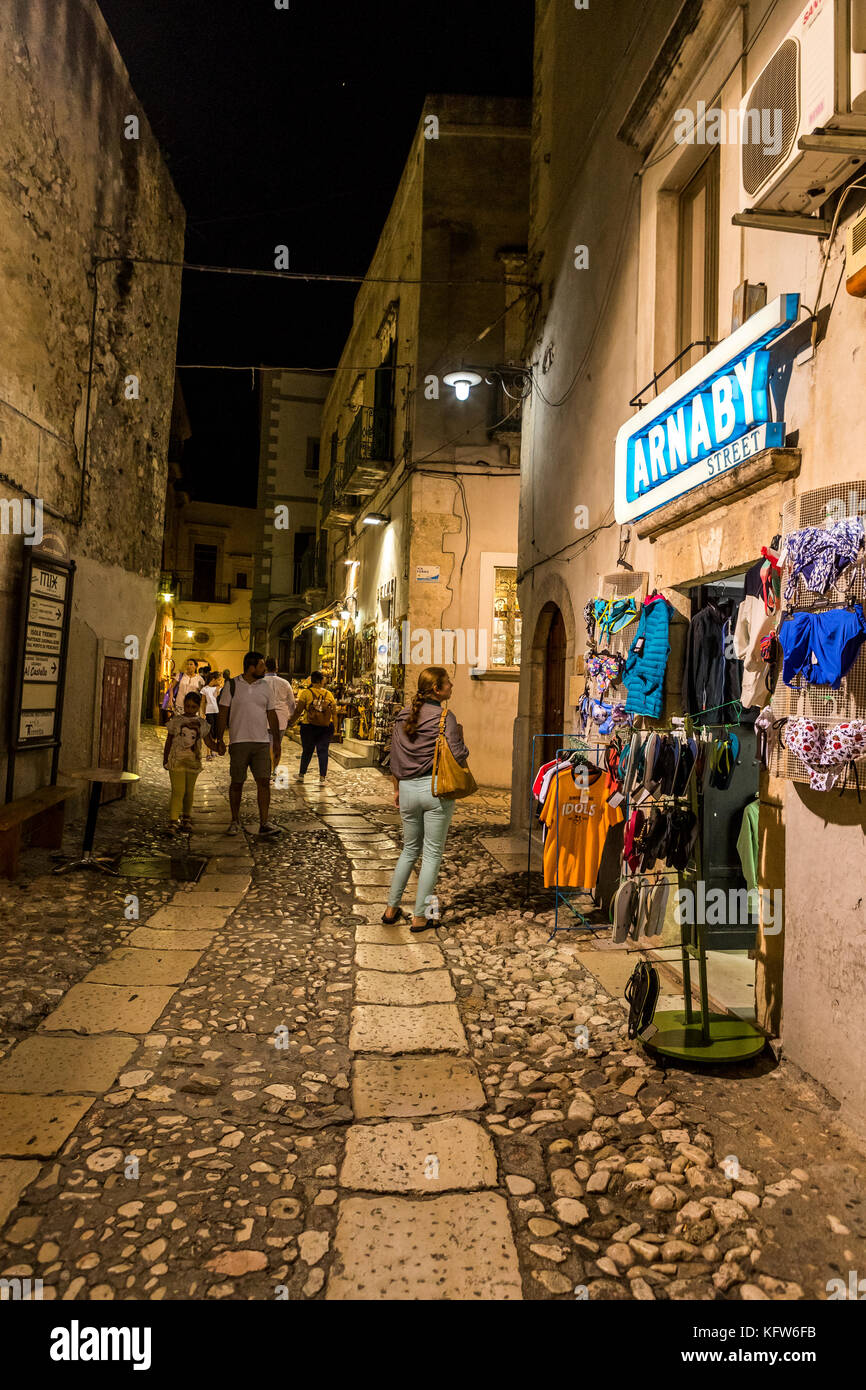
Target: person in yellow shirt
[(317, 710)]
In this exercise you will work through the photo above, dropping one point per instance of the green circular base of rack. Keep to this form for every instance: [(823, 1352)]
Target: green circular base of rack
[(730, 1039)]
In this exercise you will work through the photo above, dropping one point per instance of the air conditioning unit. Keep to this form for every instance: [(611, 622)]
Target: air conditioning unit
[(855, 257), (813, 90)]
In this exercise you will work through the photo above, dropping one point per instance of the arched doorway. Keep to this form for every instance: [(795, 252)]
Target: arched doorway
[(553, 702)]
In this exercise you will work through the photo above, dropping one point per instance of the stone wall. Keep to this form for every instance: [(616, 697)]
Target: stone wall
[(73, 187)]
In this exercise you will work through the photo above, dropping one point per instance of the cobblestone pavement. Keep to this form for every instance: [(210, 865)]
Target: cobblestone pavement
[(257, 1091)]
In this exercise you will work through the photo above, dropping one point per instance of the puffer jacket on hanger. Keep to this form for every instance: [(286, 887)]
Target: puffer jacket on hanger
[(644, 671)]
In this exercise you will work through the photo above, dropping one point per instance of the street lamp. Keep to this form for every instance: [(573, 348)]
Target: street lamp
[(462, 381), (375, 519)]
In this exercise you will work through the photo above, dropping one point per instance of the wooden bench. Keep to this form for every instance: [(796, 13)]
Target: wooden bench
[(41, 813)]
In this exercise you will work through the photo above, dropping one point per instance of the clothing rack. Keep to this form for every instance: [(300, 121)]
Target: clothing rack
[(562, 893), (707, 1038)]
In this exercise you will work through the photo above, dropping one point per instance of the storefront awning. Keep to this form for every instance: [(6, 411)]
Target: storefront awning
[(316, 618)]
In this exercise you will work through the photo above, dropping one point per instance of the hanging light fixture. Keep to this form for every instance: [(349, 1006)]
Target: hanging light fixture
[(375, 519), (462, 381)]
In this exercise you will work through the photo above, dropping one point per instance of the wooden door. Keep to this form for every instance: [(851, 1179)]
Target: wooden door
[(114, 721), (554, 678)]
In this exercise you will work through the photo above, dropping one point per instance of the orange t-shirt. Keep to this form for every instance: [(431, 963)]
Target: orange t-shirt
[(585, 817)]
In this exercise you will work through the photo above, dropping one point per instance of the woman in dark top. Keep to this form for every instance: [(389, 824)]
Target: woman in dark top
[(425, 817)]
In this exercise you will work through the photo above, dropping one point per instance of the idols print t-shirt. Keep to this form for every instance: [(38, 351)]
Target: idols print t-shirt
[(187, 732), (584, 818)]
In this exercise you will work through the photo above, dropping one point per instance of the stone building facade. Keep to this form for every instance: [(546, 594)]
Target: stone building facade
[(436, 477), (289, 570), (86, 359), (642, 268)]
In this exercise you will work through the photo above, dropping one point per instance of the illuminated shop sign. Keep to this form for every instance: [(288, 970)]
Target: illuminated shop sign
[(712, 419)]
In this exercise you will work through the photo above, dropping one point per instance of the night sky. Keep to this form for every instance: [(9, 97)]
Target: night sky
[(291, 127)]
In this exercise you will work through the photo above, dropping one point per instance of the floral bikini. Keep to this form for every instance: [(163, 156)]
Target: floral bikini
[(826, 752)]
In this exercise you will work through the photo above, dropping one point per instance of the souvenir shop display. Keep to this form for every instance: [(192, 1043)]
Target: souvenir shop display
[(644, 671), (711, 672), (818, 727)]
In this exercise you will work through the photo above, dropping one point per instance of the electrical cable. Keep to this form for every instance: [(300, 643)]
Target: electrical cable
[(581, 541), (302, 276)]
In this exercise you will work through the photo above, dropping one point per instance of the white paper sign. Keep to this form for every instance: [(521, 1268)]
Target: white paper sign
[(41, 668), (36, 724), (43, 610), (43, 640), (47, 582)]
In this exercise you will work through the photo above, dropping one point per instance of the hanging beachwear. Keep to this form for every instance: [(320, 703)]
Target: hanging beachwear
[(821, 647), (818, 555)]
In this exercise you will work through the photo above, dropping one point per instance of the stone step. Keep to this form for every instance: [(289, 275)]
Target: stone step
[(424, 987)]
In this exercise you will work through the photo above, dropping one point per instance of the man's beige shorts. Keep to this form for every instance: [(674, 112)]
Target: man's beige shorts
[(255, 756)]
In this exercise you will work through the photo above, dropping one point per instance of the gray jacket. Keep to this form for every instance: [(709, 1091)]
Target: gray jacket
[(414, 757)]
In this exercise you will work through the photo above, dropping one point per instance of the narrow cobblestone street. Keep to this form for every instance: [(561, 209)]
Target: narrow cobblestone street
[(257, 1091)]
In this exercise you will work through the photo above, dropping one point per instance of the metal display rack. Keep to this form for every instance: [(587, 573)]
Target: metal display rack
[(704, 1036), (561, 892)]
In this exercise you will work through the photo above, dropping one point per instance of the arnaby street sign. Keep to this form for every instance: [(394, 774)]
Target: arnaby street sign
[(712, 419)]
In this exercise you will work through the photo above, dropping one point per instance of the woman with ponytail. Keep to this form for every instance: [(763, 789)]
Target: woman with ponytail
[(425, 817)]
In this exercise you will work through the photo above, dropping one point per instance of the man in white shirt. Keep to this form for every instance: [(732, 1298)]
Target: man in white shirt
[(249, 710), (284, 698), (190, 683)]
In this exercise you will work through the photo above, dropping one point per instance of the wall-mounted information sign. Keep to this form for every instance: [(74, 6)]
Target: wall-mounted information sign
[(43, 635)]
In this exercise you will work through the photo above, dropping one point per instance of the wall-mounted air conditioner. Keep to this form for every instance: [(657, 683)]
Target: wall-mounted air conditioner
[(812, 92), (855, 257)]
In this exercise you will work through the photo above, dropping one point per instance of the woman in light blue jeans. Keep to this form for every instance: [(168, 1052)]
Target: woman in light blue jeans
[(425, 817)]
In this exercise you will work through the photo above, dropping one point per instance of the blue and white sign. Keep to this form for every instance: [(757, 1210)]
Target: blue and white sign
[(713, 418)]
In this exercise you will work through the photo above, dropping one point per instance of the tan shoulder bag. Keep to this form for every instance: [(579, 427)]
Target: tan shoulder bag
[(449, 778)]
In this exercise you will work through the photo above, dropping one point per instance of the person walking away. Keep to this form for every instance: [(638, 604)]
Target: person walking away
[(425, 817), (246, 706), (185, 734), (284, 698), (210, 693), (190, 683), (317, 710)]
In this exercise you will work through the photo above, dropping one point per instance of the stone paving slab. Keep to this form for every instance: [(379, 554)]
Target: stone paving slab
[(377, 934), (15, 1175), (382, 877), (219, 843), (402, 1157), (219, 897), (422, 955), (398, 1249), (190, 917), (134, 966), (347, 822), (109, 1009), (217, 883), (421, 1028), (163, 939), (228, 864), (422, 987), (36, 1126), (405, 1086), (45, 1066)]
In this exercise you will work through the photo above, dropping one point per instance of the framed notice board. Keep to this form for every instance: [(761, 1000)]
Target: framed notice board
[(43, 637)]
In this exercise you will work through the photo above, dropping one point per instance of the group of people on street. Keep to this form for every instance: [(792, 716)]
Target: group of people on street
[(256, 708)]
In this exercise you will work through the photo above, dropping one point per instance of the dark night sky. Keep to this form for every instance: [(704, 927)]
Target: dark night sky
[(291, 127)]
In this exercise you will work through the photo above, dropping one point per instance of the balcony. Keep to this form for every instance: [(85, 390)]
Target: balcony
[(310, 579), (369, 451), (191, 587), (338, 508)]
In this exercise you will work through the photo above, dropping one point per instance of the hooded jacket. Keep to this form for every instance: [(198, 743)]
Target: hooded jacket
[(644, 671)]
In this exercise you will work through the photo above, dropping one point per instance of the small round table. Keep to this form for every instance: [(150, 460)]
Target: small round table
[(96, 776)]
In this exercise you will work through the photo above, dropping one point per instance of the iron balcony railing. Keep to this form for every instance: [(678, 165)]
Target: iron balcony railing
[(370, 439)]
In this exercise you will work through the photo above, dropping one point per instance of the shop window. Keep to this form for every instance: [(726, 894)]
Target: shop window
[(506, 629), (698, 272)]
